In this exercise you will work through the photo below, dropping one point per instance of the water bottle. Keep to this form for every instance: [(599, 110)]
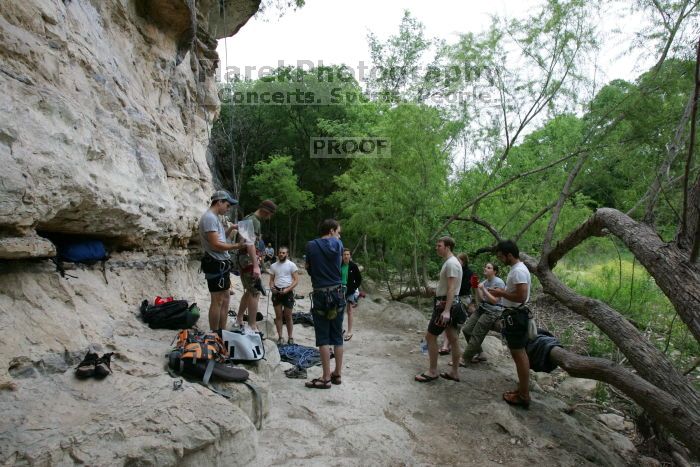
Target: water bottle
[(423, 347)]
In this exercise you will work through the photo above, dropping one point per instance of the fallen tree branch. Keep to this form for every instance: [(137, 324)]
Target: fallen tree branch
[(650, 362), (658, 403)]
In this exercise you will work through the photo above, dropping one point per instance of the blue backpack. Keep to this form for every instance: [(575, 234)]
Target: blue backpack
[(81, 251), (78, 250)]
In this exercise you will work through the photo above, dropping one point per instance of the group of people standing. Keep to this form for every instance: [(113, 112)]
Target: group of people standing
[(499, 305), (335, 280), (217, 261)]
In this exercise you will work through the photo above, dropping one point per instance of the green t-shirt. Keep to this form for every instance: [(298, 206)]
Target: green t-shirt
[(344, 273)]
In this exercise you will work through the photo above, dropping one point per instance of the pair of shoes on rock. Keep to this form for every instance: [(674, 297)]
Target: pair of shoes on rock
[(94, 365)]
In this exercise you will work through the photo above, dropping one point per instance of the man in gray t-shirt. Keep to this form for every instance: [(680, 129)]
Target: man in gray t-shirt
[(443, 319), (216, 263), (210, 222)]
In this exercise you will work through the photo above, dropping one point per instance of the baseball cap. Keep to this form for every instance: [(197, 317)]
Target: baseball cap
[(225, 195)]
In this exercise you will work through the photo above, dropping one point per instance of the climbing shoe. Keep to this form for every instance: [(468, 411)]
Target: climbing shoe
[(102, 366), (86, 368)]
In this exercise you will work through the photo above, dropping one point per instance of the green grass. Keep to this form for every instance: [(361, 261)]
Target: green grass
[(596, 271)]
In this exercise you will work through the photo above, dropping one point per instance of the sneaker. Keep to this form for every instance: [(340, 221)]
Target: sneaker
[(86, 368), (102, 367)]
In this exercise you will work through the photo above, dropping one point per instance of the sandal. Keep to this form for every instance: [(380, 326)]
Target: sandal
[(290, 341), (516, 399), (477, 359), (347, 337), (280, 341), (444, 351), (318, 383), (425, 378), (335, 379), (446, 375)]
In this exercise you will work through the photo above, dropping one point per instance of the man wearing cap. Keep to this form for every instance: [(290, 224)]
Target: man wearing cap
[(216, 263), (250, 267)]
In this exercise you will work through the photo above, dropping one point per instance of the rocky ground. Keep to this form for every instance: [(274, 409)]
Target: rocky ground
[(380, 416), (377, 416)]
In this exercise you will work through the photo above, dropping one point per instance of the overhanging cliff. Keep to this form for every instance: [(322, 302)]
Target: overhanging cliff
[(106, 113)]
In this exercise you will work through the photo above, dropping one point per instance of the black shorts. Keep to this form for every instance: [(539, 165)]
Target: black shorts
[(435, 329), (286, 300), (515, 322), (220, 284)]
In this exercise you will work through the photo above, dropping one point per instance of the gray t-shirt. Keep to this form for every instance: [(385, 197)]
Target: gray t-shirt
[(518, 275), (450, 268), (211, 223), (495, 283)]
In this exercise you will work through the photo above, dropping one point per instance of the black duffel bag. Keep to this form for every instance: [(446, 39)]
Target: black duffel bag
[(177, 314)]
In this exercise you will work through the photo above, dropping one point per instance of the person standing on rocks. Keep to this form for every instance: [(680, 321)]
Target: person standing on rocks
[(216, 263), (446, 317), (351, 278), (283, 279), (323, 259), (465, 291), (250, 267), (515, 295)]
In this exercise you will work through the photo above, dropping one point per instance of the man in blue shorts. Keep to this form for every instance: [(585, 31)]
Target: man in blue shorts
[(323, 258)]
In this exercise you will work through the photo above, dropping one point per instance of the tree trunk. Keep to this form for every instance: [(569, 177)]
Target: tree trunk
[(665, 409), (414, 269), (649, 362), (678, 279)]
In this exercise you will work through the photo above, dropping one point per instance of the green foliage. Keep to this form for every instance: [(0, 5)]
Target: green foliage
[(396, 201), (595, 270), (275, 179)]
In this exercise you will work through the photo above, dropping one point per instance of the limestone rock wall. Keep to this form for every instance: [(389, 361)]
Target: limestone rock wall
[(104, 124), (134, 416), (106, 109)]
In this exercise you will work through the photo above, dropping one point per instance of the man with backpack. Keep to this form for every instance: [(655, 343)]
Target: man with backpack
[(323, 258), (249, 263), (216, 263)]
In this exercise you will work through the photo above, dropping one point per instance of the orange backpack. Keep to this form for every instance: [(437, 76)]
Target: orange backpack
[(193, 346)]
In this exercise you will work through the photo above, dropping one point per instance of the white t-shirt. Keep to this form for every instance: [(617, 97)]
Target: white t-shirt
[(283, 273), (450, 268), (518, 275)]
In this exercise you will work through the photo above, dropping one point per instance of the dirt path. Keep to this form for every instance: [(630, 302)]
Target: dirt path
[(380, 416)]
